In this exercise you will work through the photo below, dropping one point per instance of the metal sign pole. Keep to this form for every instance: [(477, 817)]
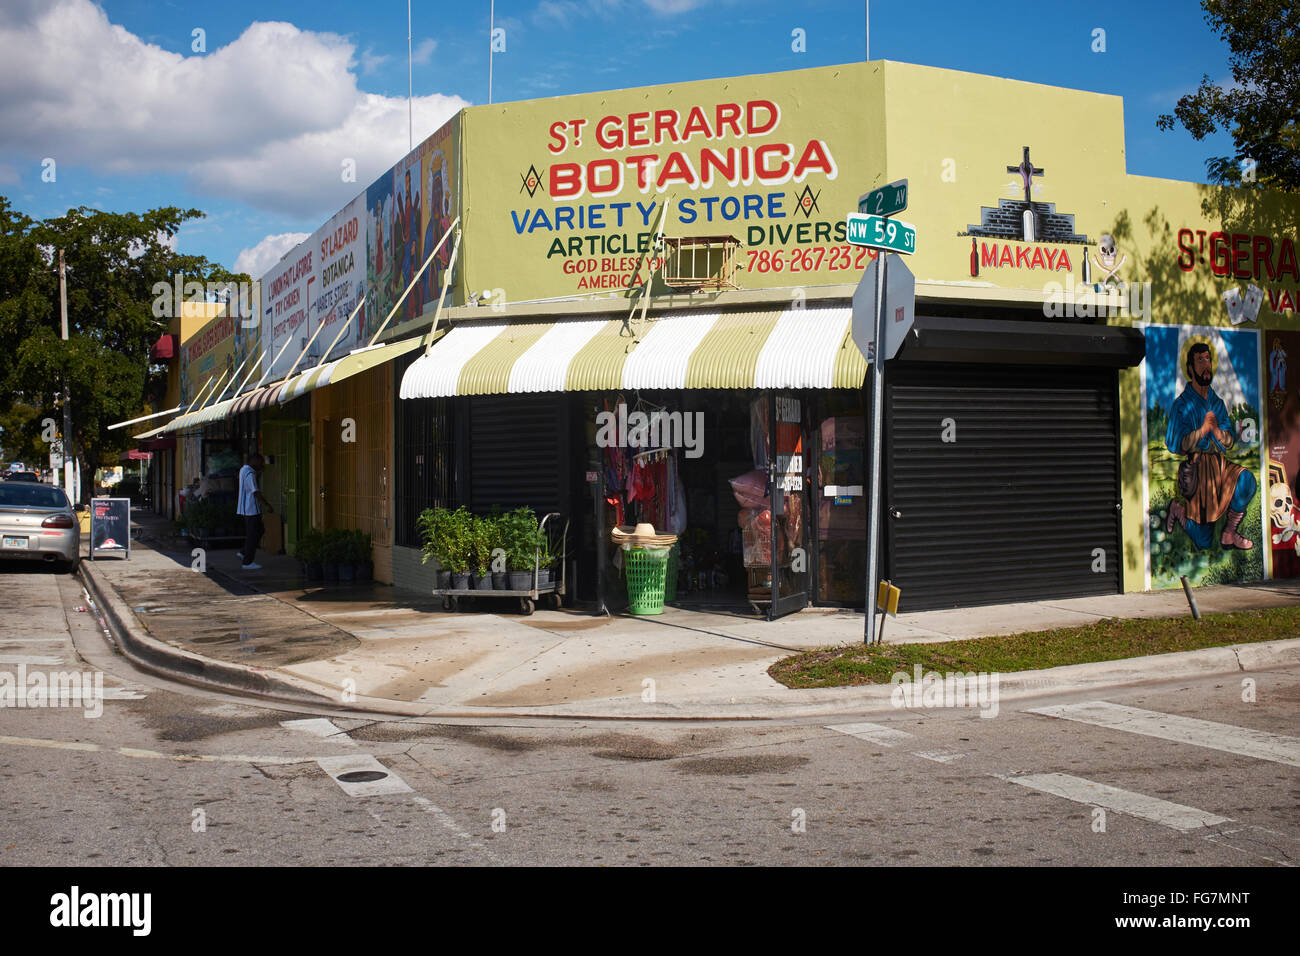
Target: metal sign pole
[(877, 420)]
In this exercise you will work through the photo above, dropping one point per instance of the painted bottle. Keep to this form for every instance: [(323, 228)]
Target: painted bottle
[(974, 257)]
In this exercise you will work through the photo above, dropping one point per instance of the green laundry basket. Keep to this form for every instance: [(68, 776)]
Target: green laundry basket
[(645, 569), (670, 576)]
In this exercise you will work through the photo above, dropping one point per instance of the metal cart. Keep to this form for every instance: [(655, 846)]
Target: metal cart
[(553, 591)]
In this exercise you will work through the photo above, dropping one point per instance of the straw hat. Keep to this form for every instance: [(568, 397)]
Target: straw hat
[(642, 534)]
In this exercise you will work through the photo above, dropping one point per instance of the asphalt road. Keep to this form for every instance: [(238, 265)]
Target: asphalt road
[(173, 775)]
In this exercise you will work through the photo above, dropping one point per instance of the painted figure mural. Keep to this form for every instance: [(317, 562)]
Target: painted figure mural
[(1200, 429), (1203, 455), (1283, 480)]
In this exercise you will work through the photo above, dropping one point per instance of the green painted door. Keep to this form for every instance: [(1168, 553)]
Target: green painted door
[(297, 481)]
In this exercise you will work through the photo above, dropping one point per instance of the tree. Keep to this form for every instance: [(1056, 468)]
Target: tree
[(1261, 107), (112, 262)]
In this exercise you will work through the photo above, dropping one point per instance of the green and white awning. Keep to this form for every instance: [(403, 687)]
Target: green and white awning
[(351, 364), (790, 348)]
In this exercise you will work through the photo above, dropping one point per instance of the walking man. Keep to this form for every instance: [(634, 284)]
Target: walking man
[(251, 503)]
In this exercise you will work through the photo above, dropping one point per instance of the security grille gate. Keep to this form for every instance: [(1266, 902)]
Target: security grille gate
[(518, 452), (1020, 503)]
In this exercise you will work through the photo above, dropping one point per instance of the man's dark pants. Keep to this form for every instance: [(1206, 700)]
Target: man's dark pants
[(253, 529)]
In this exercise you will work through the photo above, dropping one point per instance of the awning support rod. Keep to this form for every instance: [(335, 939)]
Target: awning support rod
[(442, 296), (233, 377), (416, 278), (289, 374), (343, 328), (267, 372), (212, 394), (145, 418)]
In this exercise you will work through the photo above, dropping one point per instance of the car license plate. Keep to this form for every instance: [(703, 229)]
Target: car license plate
[(14, 542)]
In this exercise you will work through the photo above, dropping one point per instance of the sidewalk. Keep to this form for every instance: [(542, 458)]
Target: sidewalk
[(378, 648)]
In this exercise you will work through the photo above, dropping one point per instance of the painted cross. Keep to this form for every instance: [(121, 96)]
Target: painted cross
[(1027, 171)]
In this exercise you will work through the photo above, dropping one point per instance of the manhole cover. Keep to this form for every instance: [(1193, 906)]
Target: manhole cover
[(362, 776)]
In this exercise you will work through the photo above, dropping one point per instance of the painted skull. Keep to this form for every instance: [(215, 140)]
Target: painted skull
[(1107, 249), (1281, 506)]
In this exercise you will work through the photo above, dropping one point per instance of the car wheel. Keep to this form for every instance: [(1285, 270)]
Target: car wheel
[(66, 567)]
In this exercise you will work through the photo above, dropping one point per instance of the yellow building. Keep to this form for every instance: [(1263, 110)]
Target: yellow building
[(681, 250)]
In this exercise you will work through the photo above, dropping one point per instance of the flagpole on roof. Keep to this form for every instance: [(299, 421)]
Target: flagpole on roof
[(410, 86)]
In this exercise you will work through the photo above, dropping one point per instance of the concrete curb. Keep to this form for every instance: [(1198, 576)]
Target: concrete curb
[(153, 655)]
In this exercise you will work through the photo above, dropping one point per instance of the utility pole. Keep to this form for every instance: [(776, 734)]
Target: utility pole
[(67, 395), (866, 28), (492, 25)]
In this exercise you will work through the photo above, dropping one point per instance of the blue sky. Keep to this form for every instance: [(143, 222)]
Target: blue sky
[(134, 118)]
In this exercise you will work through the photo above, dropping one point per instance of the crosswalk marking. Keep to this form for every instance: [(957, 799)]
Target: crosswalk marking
[(876, 733), (939, 756), (1095, 794), (320, 727), (1185, 730), (352, 763)]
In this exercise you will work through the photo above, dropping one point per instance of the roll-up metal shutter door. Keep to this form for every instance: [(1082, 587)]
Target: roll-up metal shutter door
[(1013, 508), (518, 452)]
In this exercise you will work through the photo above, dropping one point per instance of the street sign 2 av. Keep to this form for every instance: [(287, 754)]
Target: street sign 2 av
[(881, 233), (884, 201)]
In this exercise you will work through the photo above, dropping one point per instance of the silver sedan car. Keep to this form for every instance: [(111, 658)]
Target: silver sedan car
[(38, 523)]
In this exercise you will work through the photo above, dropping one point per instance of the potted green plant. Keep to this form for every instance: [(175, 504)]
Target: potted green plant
[(460, 535), (331, 554), (435, 526), (363, 564), (521, 548), (347, 555), (548, 555), (481, 536), (497, 526), (307, 550)]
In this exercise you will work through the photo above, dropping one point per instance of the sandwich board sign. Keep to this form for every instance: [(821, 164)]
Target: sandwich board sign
[(110, 526)]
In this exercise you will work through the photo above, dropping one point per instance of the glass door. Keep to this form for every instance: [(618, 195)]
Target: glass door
[(787, 488)]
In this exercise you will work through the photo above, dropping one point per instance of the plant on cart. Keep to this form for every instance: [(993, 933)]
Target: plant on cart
[(436, 526), (549, 555), (482, 538), (460, 546), (520, 538)]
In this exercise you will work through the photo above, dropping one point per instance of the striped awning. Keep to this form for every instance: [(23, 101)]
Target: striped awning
[(250, 401), (351, 364), (152, 432), (258, 398), (790, 348)]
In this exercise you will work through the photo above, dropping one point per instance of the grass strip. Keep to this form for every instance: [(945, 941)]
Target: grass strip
[(1111, 639)]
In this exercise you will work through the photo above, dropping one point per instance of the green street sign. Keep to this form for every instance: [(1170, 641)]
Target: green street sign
[(884, 201), (881, 233)]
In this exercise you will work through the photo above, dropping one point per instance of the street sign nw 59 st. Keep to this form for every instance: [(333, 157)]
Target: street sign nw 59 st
[(884, 201), (877, 232)]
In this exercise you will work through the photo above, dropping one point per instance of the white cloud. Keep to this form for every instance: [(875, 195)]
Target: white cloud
[(370, 62), (423, 51), (268, 118), (258, 260), (669, 7)]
